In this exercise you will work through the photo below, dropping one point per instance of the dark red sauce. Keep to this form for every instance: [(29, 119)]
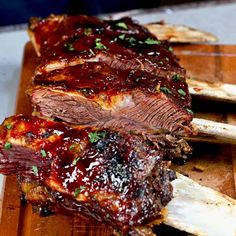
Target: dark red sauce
[(62, 145), (108, 165), (98, 79), (81, 32)]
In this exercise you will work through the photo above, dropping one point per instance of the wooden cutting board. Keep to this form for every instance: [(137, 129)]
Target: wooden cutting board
[(205, 62)]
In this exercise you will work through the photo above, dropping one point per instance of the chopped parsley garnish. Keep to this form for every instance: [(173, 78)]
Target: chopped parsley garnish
[(8, 126), (43, 153), (35, 170), (165, 90), (99, 45), (72, 146), (95, 136), (131, 39), (75, 161), (182, 92), (121, 36), (7, 145), (69, 47), (189, 111), (78, 191), (151, 41), (87, 31), (122, 25), (170, 49), (176, 77), (137, 79)]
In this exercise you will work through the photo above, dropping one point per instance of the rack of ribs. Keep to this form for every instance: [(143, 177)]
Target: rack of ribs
[(112, 74), (110, 176), (125, 101)]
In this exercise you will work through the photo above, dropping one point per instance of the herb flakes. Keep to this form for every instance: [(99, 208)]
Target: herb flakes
[(122, 25), (35, 170), (7, 145), (165, 90), (69, 47), (121, 36), (8, 126), (151, 41), (131, 40), (78, 191), (43, 153), (176, 77), (181, 92), (75, 161), (72, 146), (99, 45), (95, 136)]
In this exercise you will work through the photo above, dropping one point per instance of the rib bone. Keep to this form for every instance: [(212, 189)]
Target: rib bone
[(214, 91), (200, 210), (213, 132), (179, 33)]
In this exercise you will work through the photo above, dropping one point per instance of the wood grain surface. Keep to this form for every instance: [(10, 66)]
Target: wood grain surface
[(218, 162)]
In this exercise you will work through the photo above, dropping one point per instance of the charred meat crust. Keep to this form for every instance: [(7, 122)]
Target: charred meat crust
[(113, 177)]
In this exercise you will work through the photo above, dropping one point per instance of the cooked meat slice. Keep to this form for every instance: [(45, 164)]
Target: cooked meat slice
[(96, 79), (108, 74), (95, 94), (117, 178), (71, 40)]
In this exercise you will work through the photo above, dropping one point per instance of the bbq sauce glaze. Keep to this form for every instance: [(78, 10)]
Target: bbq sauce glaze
[(99, 80), (122, 174), (68, 37)]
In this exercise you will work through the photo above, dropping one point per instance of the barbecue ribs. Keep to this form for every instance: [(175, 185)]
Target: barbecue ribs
[(126, 101), (110, 176), (112, 74)]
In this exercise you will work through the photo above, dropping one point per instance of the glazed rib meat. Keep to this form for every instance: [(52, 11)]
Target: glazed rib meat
[(123, 44), (95, 94), (112, 74), (110, 176)]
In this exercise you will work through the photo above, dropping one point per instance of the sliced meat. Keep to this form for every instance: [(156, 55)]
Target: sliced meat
[(96, 94), (113, 74), (113, 177)]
